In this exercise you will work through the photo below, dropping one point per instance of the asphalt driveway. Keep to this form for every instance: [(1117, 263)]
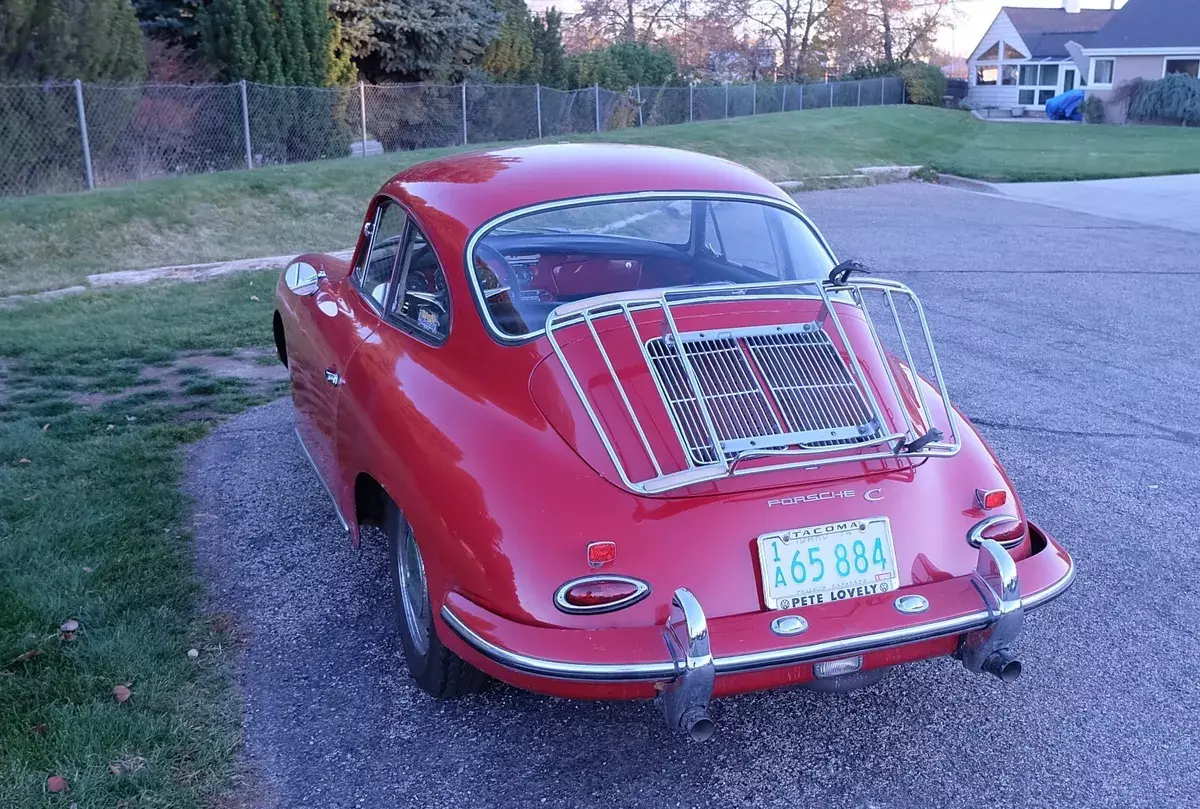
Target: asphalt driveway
[(1172, 201), (1081, 367)]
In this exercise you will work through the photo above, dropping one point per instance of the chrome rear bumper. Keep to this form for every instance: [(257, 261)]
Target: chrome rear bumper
[(687, 676)]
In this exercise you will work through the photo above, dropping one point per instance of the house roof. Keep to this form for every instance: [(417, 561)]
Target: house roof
[(1151, 24), (1048, 30)]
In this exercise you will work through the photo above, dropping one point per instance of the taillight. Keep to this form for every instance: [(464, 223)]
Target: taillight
[(596, 594), (991, 498), (1009, 531)]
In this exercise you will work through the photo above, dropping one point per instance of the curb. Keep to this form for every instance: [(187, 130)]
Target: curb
[(967, 184)]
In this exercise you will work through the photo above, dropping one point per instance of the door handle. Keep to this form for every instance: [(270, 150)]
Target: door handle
[(332, 377)]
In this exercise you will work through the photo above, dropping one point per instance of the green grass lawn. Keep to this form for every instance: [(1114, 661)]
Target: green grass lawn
[(55, 241), (93, 528)]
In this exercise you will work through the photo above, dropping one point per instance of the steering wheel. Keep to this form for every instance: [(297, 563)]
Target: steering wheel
[(495, 274)]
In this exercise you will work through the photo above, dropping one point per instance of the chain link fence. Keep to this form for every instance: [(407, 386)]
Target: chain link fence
[(59, 137)]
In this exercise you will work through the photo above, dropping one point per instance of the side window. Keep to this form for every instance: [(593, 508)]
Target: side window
[(422, 301), (746, 236), (374, 276)]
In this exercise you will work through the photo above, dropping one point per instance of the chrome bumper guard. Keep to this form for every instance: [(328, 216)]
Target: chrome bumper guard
[(686, 681)]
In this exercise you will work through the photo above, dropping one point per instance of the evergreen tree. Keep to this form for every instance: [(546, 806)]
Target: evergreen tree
[(173, 21), (416, 40), (92, 40), (550, 59), (339, 69), (509, 58), (293, 56)]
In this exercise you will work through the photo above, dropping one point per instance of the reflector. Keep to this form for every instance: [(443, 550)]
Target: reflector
[(601, 553), (989, 499)]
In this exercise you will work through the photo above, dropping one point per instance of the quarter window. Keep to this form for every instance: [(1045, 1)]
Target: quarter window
[(375, 274), (422, 302)]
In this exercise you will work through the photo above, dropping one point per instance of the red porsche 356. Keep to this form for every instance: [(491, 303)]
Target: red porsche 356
[(632, 431)]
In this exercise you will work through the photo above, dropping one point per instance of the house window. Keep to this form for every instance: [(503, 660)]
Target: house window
[(1039, 83), (986, 75), (1012, 53), (1102, 71), (991, 54), (1188, 67), (1008, 74)]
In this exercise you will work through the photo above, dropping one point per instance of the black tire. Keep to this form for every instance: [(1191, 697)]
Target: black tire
[(437, 670)]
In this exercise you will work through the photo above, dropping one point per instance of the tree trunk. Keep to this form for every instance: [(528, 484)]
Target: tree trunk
[(887, 31)]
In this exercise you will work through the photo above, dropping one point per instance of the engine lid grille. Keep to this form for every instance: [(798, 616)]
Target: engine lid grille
[(766, 388)]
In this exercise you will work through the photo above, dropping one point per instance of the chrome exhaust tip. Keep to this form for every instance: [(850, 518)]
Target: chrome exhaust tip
[(699, 724), (1003, 664)]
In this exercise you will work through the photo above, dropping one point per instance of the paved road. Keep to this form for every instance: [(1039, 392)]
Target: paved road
[(1081, 365), (1162, 201)]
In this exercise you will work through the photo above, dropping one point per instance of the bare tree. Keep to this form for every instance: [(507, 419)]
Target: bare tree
[(628, 20), (791, 24)]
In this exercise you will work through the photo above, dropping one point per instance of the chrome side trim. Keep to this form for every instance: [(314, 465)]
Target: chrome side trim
[(641, 591), (336, 509), (975, 537), (667, 669)]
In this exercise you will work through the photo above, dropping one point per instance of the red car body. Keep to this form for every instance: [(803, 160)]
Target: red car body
[(505, 480)]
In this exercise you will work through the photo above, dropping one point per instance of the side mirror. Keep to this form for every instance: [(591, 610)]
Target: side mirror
[(301, 278)]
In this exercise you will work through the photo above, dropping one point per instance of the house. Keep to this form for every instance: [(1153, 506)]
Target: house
[(1023, 60), (1146, 39)]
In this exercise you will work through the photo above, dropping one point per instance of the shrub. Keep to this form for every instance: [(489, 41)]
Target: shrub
[(1174, 98), (923, 83), (1093, 110)]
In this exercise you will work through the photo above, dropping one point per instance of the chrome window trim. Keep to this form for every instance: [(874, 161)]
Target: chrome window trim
[(635, 196), (665, 670), (642, 589)]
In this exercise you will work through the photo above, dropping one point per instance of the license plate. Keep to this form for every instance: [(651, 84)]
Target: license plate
[(803, 567)]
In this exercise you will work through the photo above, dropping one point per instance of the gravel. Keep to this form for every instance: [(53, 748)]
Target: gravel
[(1070, 339)]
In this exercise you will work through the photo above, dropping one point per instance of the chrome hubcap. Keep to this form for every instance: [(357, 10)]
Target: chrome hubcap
[(413, 592)]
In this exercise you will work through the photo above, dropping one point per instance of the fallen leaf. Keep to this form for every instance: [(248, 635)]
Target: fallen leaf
[(45, 427), (193, 653), (23, 656), (253, 297), (122, 692), (24, 460), (89, 570), (131, 418), (114, 768), (30, 497), (38, 730), (68, 629), (111, 427), (56, 783)]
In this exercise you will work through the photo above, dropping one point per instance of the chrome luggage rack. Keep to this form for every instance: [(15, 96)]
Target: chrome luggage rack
[(776, 390)]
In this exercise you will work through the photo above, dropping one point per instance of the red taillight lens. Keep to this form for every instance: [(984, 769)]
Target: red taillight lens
[(600, 594), (601, 553), (990, 499)]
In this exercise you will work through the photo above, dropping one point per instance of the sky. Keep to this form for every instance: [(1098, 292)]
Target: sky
[(970, 22)]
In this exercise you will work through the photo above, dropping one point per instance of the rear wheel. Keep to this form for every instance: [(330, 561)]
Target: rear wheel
[(440, 673)]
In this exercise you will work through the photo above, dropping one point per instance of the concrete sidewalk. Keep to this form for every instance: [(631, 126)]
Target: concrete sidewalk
[(1169, 202)]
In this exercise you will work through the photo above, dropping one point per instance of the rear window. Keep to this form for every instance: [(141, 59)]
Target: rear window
[(529, 265)]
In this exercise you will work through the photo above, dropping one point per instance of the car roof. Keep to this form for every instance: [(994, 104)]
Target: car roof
[(463, 191)]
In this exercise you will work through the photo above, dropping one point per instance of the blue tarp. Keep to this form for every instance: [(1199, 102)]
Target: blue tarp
[(1066, 106)]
